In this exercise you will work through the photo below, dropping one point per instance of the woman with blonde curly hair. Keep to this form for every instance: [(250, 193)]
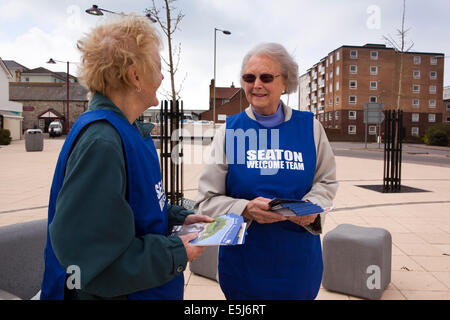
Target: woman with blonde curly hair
[(108, 216)]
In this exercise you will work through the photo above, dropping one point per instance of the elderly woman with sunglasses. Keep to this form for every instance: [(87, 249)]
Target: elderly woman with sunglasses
[(109, 222), (282, 256)]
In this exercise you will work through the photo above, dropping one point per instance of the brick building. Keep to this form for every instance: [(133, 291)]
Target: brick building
[(339, 84), (44, 102), (229, 101), (447, 104)]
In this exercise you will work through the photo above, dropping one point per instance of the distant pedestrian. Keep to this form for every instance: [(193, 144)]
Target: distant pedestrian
[(108, 214), (281, 257)]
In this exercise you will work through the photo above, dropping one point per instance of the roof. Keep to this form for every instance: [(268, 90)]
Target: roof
[(5, 68), (226, 93), (382, 47), (46, 91), (13, 65)]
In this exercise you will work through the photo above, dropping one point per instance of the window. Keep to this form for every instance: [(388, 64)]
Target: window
[(448, 107), (373, 99), (372, 130), (331, 87), (337, 85), (373, 85), (337, 56), (330, 116), (415, 131), (433, 75), (337, 102), (448, 119), (431, 117), (415, 117), (351, 115), (352, 99), (337, 70), (415, 103), (353, 69), (331, 59), (416, 59), (331, 74), (432, 103), (416, 88), (432, 89), (352, 84), (374, 55), (321, 117), (330, 102), (353, 54), (433, 60), (351, 129), (416, 74), (373, 70), (336, 115), (326, 76), (326, 116)]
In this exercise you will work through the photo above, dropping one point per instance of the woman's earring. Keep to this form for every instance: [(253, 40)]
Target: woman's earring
[(138, 89)]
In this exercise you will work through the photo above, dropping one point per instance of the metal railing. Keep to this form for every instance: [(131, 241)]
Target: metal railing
[(393, 150)]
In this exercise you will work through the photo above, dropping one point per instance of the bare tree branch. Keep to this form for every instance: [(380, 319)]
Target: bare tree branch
[(169, 23)]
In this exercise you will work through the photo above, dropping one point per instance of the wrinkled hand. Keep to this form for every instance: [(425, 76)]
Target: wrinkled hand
[(193, 252), (303, 220), (258, 209), (197, 218)]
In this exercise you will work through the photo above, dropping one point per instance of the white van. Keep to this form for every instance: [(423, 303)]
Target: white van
[(55, 129)]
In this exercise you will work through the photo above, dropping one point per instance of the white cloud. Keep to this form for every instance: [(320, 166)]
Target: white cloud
[(33, 31)]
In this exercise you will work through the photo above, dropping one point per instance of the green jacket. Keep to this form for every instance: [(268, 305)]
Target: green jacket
[(92, 204)]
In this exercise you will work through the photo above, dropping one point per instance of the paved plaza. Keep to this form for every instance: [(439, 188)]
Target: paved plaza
[(419, 222)]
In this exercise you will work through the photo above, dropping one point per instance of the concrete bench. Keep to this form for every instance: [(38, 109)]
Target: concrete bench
[(22, 259), (357, 260)]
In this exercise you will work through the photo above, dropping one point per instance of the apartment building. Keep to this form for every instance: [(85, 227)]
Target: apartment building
[(338, 85)]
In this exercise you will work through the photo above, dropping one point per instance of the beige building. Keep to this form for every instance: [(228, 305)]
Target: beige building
[(46, 102), (339, 84), (10, 111)]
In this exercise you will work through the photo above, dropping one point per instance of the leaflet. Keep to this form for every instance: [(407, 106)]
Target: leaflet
[(291, 207), (228, 229)]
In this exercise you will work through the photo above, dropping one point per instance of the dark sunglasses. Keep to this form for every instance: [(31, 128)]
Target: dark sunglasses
[(264, 77)]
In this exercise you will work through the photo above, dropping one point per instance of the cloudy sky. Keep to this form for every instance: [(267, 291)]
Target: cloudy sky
[(33, 31)]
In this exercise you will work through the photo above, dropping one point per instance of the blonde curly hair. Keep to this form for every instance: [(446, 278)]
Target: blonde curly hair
[(109, 49)]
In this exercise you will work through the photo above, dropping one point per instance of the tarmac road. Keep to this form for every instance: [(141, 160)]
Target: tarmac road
[(412, 153)]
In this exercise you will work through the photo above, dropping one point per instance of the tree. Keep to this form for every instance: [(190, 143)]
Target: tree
[(169, 25), (400, 49), (393, 173)]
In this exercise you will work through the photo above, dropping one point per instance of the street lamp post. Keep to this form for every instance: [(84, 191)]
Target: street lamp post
[(214, 88), (53, 61), (96, 11)]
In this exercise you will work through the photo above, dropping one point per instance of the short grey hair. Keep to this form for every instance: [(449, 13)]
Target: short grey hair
[(275, 51)]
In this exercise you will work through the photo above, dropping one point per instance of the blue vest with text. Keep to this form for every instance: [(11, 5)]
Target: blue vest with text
[(143, 174), (278, 260)]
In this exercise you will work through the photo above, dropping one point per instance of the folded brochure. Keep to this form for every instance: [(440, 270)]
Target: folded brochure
[(228, 229), (291, 207)]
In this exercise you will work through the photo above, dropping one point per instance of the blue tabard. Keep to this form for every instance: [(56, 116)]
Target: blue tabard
[(278, 260), (143, 174)]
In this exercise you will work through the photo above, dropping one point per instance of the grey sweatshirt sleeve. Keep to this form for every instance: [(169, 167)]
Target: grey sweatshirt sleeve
[(325, 185)]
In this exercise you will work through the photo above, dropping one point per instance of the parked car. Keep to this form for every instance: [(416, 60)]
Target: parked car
[(55, 129)]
